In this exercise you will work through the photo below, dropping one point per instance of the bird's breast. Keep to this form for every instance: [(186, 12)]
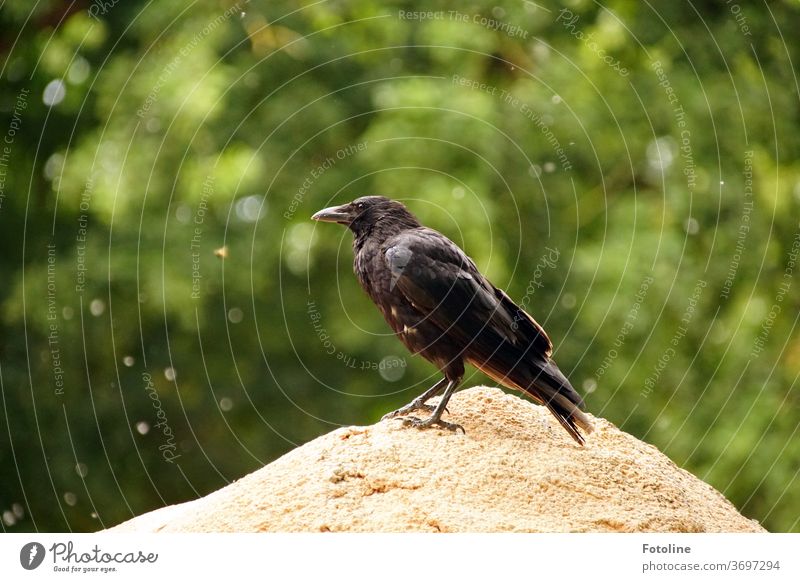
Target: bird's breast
[(413, 328)]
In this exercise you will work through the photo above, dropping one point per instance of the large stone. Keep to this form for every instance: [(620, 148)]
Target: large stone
[(515, 469)]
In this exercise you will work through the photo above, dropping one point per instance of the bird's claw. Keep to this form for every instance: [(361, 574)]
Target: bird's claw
[(432, 421), (413, 406)]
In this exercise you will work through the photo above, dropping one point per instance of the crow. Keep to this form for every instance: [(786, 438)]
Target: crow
[(441, 307)]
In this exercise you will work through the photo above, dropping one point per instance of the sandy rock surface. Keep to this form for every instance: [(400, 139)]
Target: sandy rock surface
[(515, 469)]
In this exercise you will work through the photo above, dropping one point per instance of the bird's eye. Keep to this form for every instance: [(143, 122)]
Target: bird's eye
[(361, 206)]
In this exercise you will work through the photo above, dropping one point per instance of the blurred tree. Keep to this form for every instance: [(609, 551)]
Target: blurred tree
[(171, 319)]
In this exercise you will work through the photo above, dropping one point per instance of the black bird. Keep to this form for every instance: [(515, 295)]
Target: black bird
[(440, 306)]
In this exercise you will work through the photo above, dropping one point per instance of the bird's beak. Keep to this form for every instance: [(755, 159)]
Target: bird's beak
[(333, 214)]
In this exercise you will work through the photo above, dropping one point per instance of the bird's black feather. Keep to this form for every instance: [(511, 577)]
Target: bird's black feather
[(440, 305)]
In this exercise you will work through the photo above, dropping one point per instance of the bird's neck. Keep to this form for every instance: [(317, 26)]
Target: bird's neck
[(381, 231)]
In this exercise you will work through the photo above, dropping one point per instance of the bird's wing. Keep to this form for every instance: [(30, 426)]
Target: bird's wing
[(443, 283)]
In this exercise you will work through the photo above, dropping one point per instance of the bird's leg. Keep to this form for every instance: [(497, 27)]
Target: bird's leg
[(436, 418), (419, 402)]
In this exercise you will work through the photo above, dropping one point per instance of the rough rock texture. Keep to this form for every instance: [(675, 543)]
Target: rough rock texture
[(514, 470)]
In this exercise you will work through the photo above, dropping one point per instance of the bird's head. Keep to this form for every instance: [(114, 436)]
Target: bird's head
[(367, 213)]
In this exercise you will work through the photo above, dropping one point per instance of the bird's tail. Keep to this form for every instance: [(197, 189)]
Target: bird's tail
[(551, 386)]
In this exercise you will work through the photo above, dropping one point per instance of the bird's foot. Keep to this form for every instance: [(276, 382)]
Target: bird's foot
[(432, 421), (410, 407)]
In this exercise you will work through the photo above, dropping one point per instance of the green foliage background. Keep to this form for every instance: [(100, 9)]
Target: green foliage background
[(188, 127)]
